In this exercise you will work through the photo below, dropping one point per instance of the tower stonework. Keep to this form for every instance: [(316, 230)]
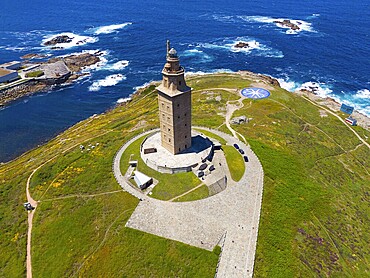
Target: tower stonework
[(174, 101)]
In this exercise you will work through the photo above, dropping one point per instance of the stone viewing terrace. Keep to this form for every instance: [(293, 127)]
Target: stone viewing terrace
[(163, 161)]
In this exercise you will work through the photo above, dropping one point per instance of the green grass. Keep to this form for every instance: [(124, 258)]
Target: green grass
[(314, 218), (90, 238), (131, 253), (313, 215), (169, 185), (36, 73), (235, 162), (197, 194)]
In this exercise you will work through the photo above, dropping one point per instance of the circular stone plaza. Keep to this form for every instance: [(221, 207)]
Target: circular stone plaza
[(160, 159), (229, 218)]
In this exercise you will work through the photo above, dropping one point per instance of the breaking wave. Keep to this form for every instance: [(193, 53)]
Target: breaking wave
[(359, 100), (76, 40), (318, 88), (303, 25), (362, 94), (123, 100), (190, 73), (108, 81), (198, 54), (142, 86), (120, 65), (108, 29), (252, 47)]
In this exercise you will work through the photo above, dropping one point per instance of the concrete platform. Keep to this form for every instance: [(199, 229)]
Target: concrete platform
[(166, 162)]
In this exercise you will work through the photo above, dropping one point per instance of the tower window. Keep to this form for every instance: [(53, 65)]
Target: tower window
[(178, 105), (179, 150), (163, 116), (185, 124), (178, 116), (169, 140), (180, 83), (162, 104), (185, 114), (168, 119), (186, 136), (169, 130), (186, 146)]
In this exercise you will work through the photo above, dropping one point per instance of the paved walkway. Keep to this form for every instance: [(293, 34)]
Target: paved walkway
[(234, 212)]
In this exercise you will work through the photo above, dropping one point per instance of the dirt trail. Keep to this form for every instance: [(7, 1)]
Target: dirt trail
[(34, 204), (335, 115)]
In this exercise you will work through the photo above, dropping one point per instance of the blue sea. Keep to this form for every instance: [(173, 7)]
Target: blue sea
[(331, 51)]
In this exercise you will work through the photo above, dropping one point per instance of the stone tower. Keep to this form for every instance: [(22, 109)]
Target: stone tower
[(174, 101)]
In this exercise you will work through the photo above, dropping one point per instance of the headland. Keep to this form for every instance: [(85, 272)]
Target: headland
[(31, 77), (314, 203)]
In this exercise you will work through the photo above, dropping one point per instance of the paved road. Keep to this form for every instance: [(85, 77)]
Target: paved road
[(233, 212)]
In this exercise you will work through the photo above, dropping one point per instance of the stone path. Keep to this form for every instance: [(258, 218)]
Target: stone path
[(233, 212)]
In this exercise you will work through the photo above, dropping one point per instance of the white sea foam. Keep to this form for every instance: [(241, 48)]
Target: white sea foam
[(224, 18), (198, 54), (109, 28), (317, 88), (362, 94), (123, 100), (16, 48), (251, 44), (288, 85), (190, 73), (320, 89), (254, 47), (120, 65), (77, 40), (303, 25), (360, 100), (142, 86), (109, 81)]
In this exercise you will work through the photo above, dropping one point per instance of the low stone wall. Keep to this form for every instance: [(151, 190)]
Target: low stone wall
[(168, 170), (217, 186)]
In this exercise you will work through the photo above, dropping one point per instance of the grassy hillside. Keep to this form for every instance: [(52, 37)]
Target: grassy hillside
[(315, 213)]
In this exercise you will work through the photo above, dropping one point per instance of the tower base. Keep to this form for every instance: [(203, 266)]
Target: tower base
[(165, 162)]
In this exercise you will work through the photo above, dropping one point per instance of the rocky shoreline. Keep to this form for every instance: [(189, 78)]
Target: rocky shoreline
[(75, 63), (362, 120)]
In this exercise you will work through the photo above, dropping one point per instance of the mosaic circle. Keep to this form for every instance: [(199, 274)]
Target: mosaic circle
[(255, 93)]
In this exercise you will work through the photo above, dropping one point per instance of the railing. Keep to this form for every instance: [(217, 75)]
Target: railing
[(223, 238)]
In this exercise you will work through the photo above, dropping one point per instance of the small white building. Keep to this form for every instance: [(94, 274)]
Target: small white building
[(142, 180), (351, 121)]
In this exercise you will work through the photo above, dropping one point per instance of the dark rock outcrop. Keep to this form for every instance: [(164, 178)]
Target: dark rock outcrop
[(58, 39), (288, 23), (242, 45), (33, 56)]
